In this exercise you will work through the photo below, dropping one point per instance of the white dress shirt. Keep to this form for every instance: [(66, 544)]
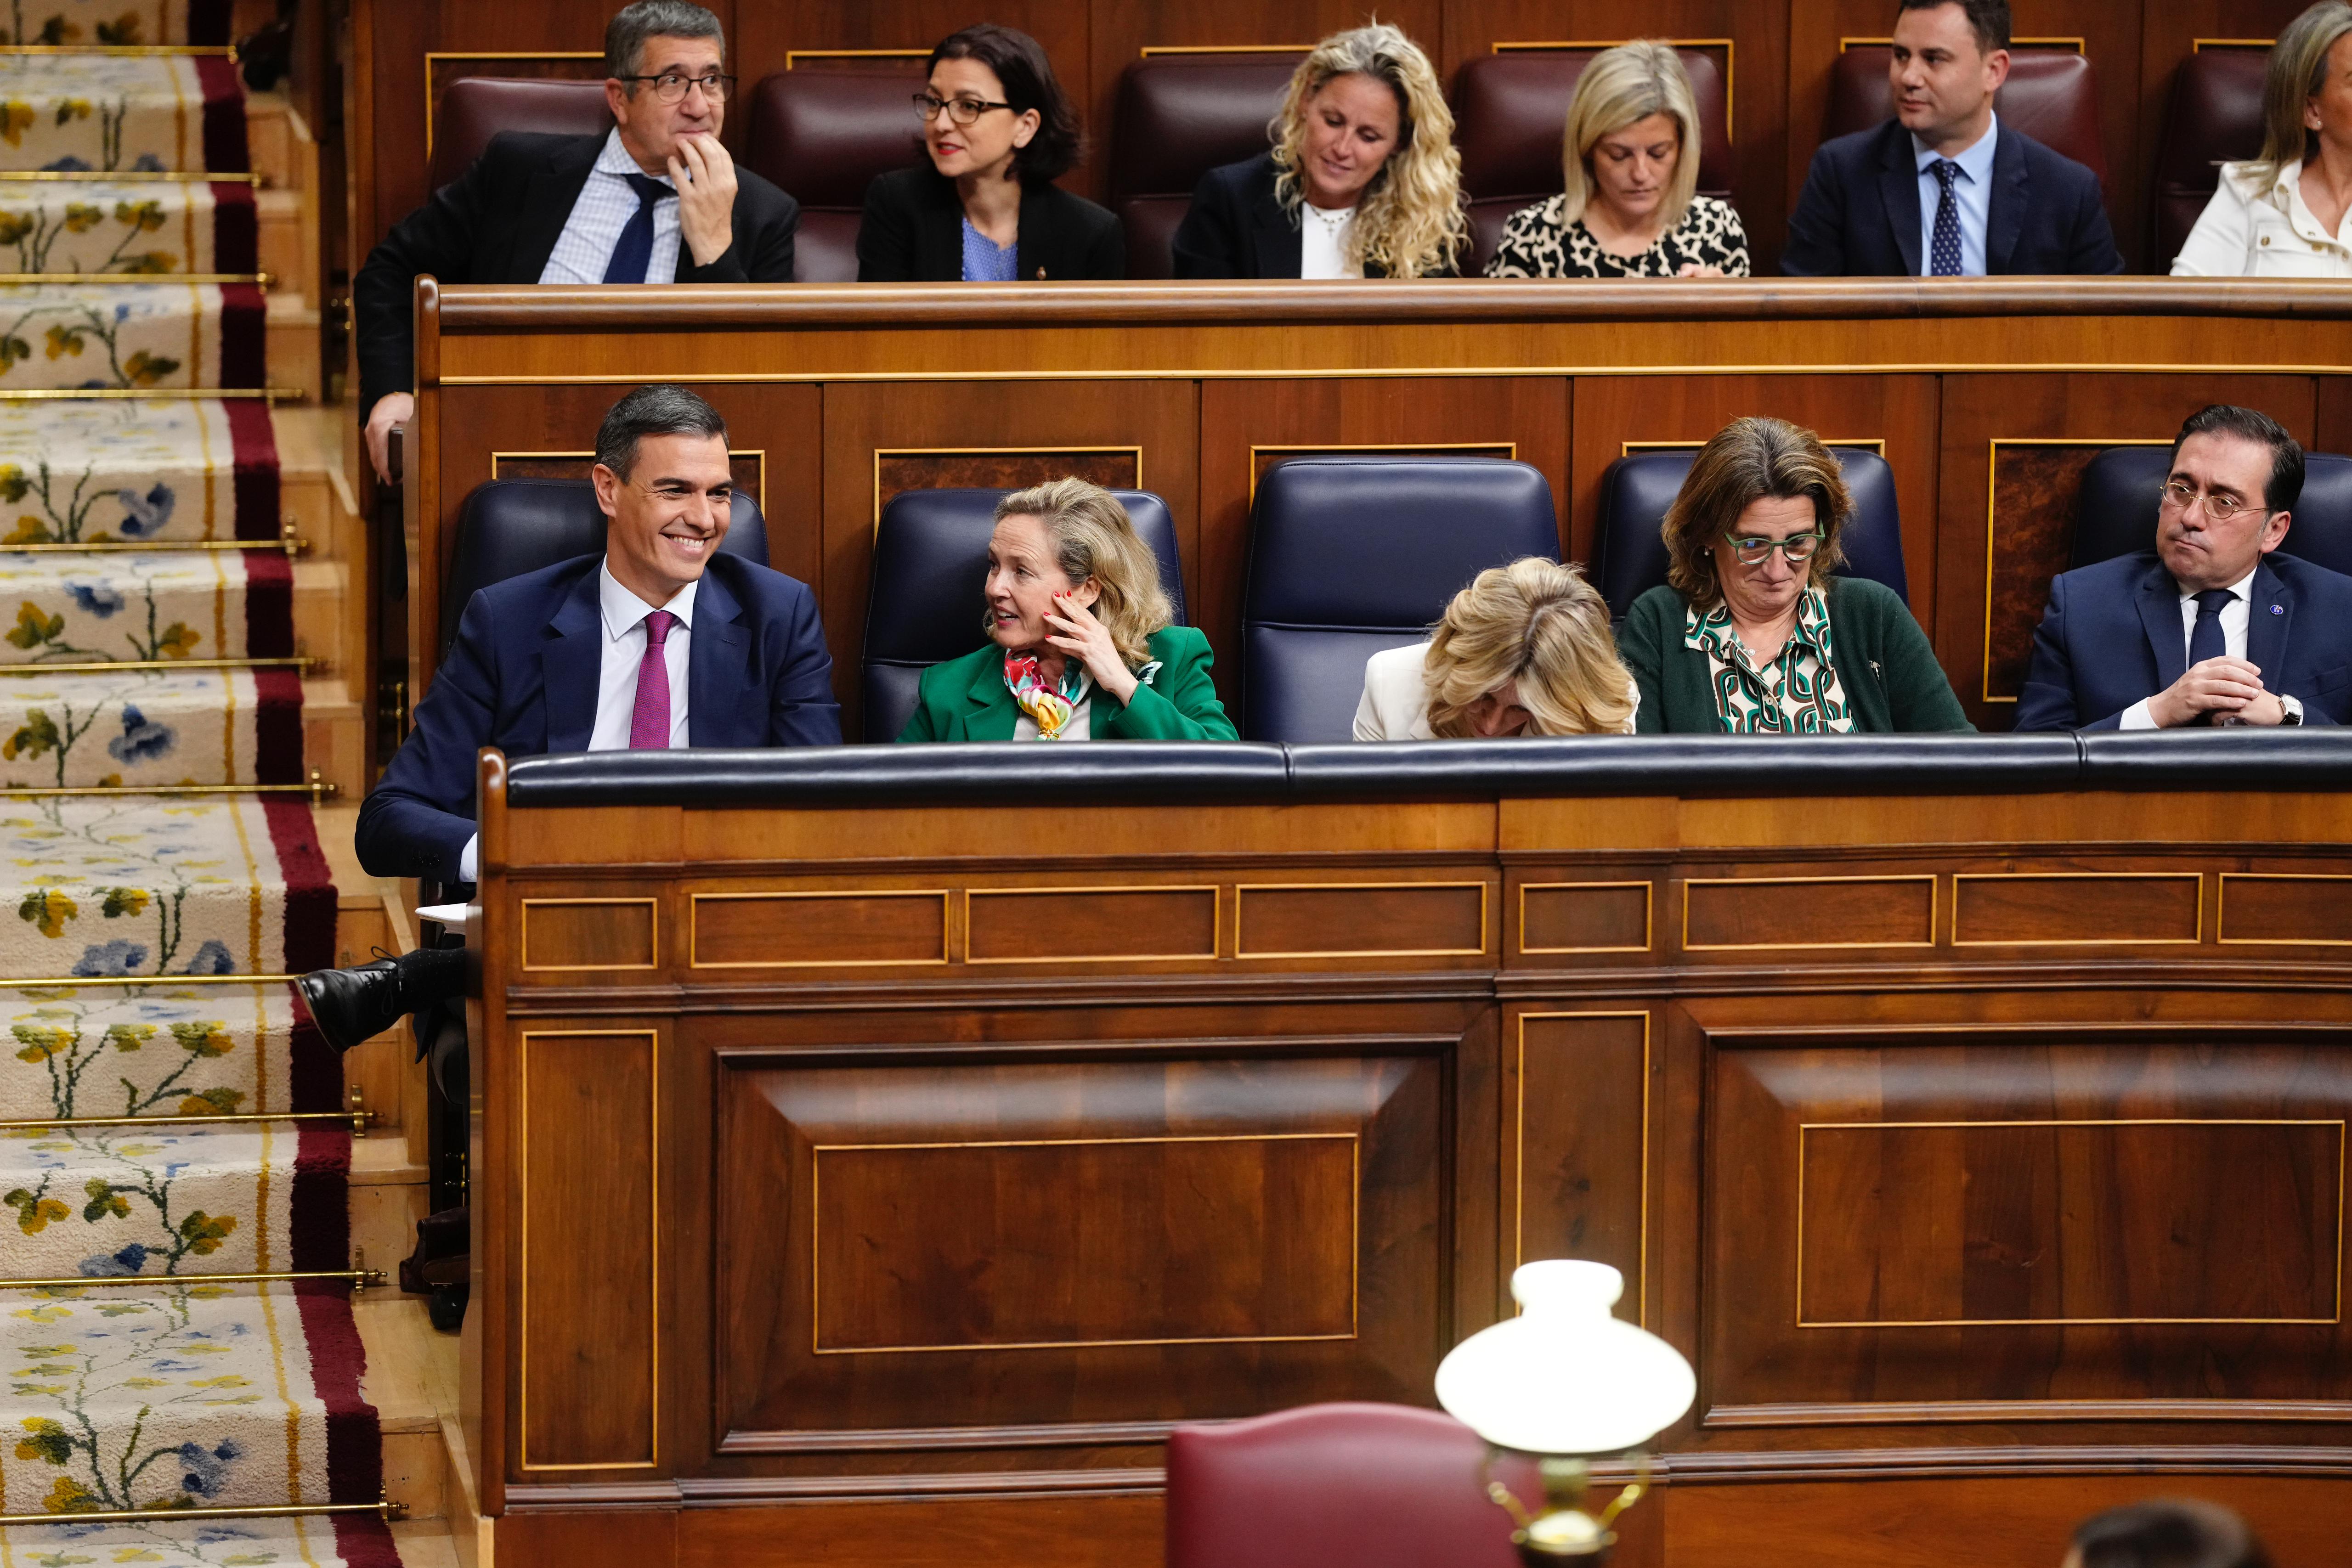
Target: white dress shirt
[(2234, 616), (1972, 190), (2256, 229), (624, 651), (1323, 243), (607, 202), (1395, 703)]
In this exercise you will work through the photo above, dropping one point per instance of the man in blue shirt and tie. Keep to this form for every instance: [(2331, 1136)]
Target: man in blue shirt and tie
[(1944, 189), (654, 199)]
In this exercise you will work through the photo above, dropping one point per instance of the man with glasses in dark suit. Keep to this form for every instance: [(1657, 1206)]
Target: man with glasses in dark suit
[(655, 199)]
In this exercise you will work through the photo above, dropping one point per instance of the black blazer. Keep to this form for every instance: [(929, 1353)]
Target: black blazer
[(913, 232), (498, 221), (2111, 636), (1858, 216), (1238, 228)]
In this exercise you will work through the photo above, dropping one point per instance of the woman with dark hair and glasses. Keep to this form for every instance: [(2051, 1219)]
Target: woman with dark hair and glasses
[(999, 130)]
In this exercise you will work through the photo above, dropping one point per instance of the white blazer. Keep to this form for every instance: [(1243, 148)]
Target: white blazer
[(2252, 230), (1395, 703)]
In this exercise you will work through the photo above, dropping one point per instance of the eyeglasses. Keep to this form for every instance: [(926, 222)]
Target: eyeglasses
[(2220, 509), (963, 111), (670, 86), (1798, 547)]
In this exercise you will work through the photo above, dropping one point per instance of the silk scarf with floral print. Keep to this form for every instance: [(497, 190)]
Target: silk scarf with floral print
[(1048, 706)]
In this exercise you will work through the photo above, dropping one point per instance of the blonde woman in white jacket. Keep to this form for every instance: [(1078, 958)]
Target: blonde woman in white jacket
[(2284, 214)]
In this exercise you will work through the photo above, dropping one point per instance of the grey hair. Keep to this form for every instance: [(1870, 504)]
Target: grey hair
[(625, 35), (658, 410)]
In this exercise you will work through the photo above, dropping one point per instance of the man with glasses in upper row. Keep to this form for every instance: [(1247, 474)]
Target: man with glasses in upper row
[(2216, 625), (654, 199)]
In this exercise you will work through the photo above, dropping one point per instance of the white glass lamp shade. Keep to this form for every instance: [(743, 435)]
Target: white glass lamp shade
[(1565, 1377)]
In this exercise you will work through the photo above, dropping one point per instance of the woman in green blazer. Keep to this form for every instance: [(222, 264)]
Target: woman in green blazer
[(1079, 645), (1750, 634)]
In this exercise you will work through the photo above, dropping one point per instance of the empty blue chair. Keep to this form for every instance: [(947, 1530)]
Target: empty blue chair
[(930, 555), (1349, 556), (1629, 553), (2114, 509)]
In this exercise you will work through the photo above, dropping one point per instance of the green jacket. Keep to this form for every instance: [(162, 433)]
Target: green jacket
[(1889, 672), (966, 699)]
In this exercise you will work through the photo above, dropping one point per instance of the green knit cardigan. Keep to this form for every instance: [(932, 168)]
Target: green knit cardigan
[(1890, 674)]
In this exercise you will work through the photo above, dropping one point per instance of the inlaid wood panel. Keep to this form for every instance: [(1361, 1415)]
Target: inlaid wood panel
[(589, 1306), (2077, 908), (1056, 925), (1002, 468), (2296, 908), (1809, 912), (1344, 919), (1160, 1239), (1985, 1216), (807, 930), (1578, 1149), (1563, 918), (591, 933), (1986, 610)]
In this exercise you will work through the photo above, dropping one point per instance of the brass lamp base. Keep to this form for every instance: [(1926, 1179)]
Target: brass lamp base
[(1563, 1531)]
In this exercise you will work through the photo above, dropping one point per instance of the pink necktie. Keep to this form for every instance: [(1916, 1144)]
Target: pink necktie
[(649, 720)]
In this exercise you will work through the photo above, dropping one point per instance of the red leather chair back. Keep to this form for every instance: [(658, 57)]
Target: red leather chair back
[(2051, 96), (1509, 111), (823, 134), (476, 108), (2215, 117), (1372, 1486), (1178, 117)]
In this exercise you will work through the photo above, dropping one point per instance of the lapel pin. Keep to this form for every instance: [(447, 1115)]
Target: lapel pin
[(2278, 609)]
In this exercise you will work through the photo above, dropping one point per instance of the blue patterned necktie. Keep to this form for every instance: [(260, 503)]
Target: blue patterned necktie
[(2205, 639), (1944, 255), (633, 251)]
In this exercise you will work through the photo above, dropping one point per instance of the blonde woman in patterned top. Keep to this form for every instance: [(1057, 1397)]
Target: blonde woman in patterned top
[(1750, 634), (1630, 152)]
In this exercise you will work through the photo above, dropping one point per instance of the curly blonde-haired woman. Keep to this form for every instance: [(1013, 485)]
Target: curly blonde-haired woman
[(1079, 645), (1524, 650), (1362, 180)]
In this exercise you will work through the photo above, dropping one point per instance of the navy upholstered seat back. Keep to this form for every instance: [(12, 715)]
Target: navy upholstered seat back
[(2115, 511), (1629, 554), (1352, 555), (510, 527), (930, 555)]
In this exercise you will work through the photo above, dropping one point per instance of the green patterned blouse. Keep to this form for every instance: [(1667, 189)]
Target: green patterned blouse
[(1795, 693)]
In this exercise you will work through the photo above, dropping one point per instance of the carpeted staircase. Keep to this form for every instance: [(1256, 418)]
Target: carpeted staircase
[(168, 1118)]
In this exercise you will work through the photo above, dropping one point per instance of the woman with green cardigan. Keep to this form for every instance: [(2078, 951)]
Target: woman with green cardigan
[(1750, 634), (1079, 645)]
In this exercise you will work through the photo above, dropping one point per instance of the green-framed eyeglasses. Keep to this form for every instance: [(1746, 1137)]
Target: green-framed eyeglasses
[(1798, 547)]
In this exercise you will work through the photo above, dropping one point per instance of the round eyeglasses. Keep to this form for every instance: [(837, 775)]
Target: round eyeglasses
[(1798, 547), (962, 111), (670, 86), (2220, 509)]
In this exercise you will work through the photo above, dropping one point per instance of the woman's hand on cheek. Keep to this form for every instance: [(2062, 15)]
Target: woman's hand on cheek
[(1074, 630)]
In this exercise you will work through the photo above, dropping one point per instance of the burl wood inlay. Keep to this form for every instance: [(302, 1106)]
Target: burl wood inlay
[(748, 469), (896, 471), (2033, 493)]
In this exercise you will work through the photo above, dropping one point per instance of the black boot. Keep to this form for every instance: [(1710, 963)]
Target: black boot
[(355, 1005)]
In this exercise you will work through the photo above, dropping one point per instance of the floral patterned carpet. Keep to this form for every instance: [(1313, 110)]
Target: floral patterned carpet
[(160, 1094)]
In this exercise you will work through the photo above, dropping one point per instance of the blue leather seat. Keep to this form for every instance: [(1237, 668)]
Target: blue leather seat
[(510, 527), (931, 556), (2114, 509), (1629, 553), (1349, 556)]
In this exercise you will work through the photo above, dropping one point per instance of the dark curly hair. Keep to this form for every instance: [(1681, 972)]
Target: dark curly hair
[(1028, 79)]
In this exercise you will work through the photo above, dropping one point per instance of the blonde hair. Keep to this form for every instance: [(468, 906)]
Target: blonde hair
[(1093, 537), (2298, 69), (1540, 624), (1622, 86), (1409, 221), (1749, 460)]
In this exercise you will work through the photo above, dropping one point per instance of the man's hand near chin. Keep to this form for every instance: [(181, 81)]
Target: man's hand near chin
[(2229, 689), (705, 177)]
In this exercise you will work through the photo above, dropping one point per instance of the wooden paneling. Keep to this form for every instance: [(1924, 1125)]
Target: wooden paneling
[(2260, 910), (1353, 919), (1062, 924), (813, 930), (1996, 546), (1578, 1150), (591, 933), (589, 1382), (2072, 909), (1585, 916), (1808, 912)]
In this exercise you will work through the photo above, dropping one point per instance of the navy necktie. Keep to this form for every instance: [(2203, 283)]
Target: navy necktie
[(633, 251), (2205, 639), (1944, 253)]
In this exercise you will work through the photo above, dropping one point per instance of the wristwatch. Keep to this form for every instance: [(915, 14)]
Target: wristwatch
[(2290, 710)]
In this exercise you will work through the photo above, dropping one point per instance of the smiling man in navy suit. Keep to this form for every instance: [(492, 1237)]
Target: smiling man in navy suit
[(2210, 627), (1944, 189)]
